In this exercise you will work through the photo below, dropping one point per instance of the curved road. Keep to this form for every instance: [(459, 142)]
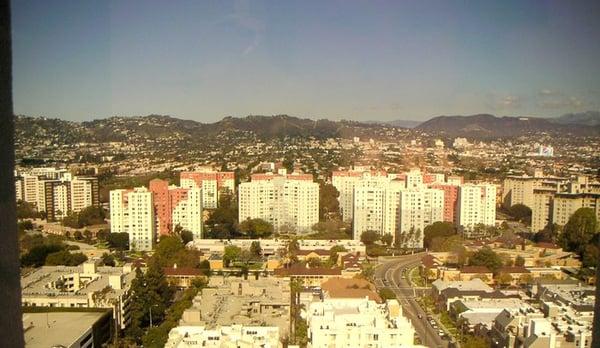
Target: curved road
[(389, 274)]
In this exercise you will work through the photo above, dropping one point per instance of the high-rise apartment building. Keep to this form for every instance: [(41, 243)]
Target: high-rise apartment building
[(56, 191), (289, 201), (212, 183), (345, 181), (164, 207), (565, 204), (554, 200), (519, 189), (140, 219), (132, 212), (401, 207), (176, 206), (476, 205)]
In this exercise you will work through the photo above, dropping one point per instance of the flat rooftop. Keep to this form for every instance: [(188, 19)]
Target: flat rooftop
[(44, 330), (262, 302)]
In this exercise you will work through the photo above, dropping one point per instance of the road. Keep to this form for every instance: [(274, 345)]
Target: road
[(389, 274)]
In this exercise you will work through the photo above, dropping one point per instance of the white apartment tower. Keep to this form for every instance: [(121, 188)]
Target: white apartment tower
[(132, 211), (346, 181), (393, 208), (283, 200), (476, 205)]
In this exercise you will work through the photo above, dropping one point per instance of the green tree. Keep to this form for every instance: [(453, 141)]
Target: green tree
[(255, 249), (167, 249), (333, 253), (314, 262), (119, 241), (579, 230), (549, 234), (369, 237), (449, 243), (78, 235), (520, 212), (474, 342), (108, 260), (231, 253), (387, 294), (65, 258), (26, 210), (486, 257), (72, 220), (329, 206), (138, 304), (103, 234), (223, 220), (437, 230), (504, 279), (37, 255), (519, 261), (91, 215), (25, 225), (186, 236), (387, 239), (256, 228)]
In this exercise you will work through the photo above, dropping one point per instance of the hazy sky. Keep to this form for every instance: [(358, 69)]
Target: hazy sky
[(362, 60)]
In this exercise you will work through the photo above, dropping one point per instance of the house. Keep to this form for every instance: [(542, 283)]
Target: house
[(182, 277)]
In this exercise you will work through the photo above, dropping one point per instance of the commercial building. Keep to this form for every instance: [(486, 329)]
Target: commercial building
[(236, 312), (288, 202), (84, 286), (211, 183), (358, 322)]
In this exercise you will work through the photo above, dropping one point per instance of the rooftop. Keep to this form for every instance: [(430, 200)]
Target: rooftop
[(43, 330)]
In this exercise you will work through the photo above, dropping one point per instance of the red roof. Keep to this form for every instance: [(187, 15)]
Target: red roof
[(513, 269), (547, 245), (475, 269)]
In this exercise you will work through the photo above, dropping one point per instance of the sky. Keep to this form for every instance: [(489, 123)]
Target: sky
[(359, 60)]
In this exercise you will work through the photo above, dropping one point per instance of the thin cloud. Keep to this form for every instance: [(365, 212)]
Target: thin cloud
[(242, 17)]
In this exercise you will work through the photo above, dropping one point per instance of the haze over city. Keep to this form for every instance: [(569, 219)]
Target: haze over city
[(300, 174), (384, 61)]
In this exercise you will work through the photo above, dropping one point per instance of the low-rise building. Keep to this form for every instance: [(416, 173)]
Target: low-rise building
[(84, 286), (67, 329), (347, 322), (236, 312)]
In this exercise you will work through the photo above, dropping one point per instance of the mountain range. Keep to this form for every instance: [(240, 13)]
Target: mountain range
[(481, 126)]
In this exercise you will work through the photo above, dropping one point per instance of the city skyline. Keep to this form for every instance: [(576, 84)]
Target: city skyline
[(382, 61)]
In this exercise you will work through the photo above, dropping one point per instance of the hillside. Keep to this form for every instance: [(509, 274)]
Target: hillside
[(485, 126), (155, 127), (588, 118)]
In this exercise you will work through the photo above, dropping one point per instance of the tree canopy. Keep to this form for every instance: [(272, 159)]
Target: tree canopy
[(256, 228), (580, 235), (520, 212), (486, 257), (369, 237), (435, 230), (329, 206)]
